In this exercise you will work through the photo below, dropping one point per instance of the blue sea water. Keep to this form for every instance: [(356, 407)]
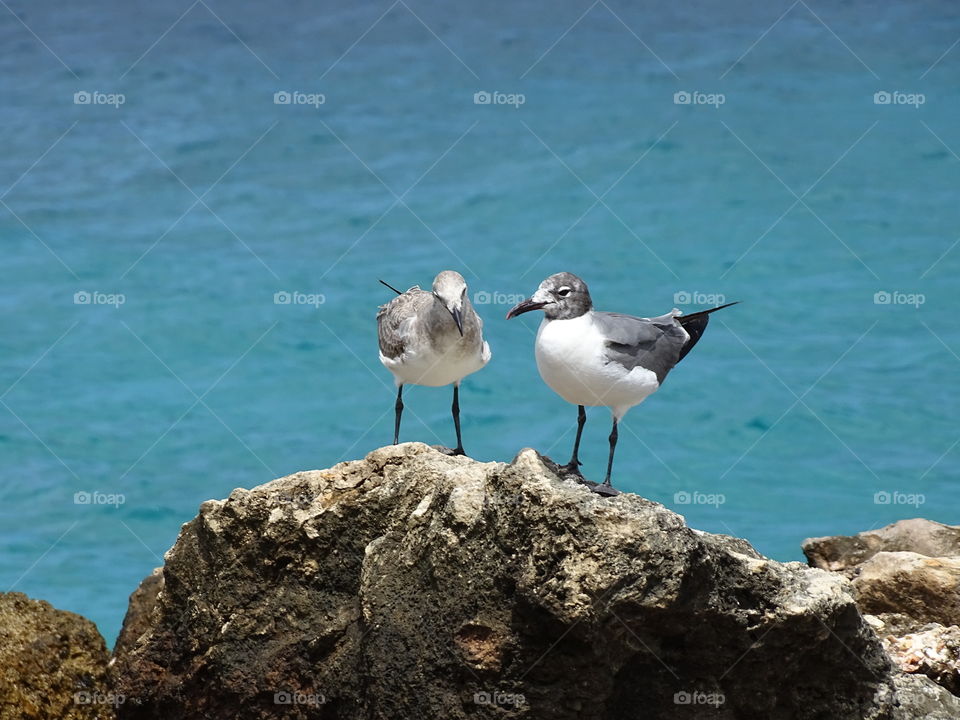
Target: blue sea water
[(824, 403)]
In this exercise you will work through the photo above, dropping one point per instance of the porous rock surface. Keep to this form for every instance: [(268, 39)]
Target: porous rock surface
[(411, 584)]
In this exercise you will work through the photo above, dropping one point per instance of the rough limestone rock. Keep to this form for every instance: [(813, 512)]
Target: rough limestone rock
[(896, 624), (926, 589), (137, 620), (923, 699), (53, 664), (843, 552), (411, 584), (933, 651), (906, 578)]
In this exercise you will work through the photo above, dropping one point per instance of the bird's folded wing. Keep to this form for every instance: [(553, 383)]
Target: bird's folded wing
[(650, 343), (396, 318)]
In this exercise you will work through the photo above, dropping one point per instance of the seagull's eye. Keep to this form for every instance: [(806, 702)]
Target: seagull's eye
[(563, 292)]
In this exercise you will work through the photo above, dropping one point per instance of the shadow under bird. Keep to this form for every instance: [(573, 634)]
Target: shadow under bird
[(432, 338), (602, 358)]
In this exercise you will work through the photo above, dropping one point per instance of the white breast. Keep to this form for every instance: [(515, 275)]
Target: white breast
[(423, 364), (570, 358)]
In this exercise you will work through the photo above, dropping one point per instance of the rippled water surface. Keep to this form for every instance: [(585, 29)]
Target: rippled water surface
[(157, 194)]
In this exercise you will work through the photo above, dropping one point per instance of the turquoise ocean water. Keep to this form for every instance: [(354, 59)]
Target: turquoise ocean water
[(668, 155)]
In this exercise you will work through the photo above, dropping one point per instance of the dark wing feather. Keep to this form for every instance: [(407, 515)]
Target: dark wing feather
[(695, 324)]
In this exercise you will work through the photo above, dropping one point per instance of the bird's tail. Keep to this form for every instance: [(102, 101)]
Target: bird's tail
[(695, 324)]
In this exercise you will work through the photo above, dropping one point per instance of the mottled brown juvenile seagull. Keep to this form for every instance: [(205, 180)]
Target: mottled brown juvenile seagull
[(432, 338)]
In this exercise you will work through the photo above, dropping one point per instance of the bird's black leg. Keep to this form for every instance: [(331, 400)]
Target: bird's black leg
[(399, 408), (574, 465), (613, 446), (456, 419)]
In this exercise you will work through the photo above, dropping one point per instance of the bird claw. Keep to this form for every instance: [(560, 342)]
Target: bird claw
[(572, 468), (604, 489), (452, 452)]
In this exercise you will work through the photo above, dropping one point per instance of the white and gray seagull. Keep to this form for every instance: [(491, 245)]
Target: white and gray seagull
[(432, 338), (603, 358)]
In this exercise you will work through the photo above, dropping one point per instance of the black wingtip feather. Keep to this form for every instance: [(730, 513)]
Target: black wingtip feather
[(695, 324)]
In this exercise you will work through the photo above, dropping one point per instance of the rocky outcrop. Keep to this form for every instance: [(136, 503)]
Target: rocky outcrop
[(934, 652), (137, 620), (923, 699), (411, 584), (925, 589), (52, 664), (906, 579), (845, 552)]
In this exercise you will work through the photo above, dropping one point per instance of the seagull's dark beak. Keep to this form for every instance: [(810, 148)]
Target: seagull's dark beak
[(525, 306), (458, 319)]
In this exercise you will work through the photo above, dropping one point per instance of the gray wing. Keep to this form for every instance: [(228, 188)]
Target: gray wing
[(651, 343), (394, 318)]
